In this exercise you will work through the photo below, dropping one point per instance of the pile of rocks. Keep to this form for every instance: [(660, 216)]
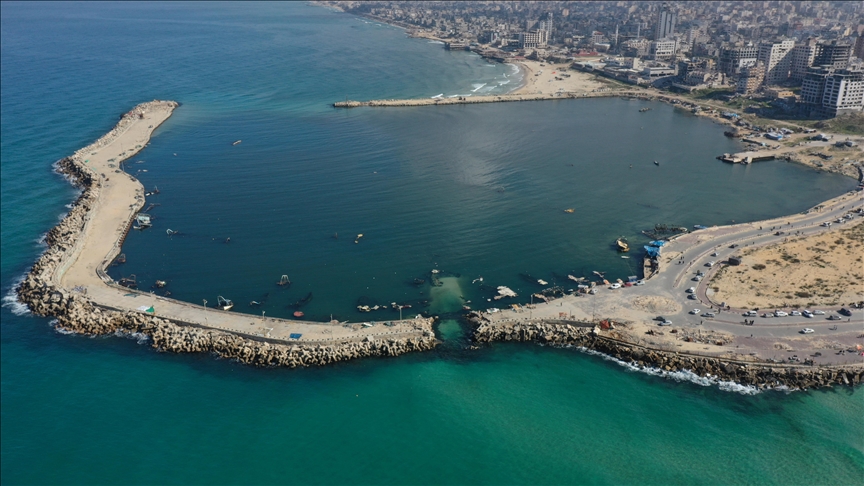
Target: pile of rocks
[(760, 375)]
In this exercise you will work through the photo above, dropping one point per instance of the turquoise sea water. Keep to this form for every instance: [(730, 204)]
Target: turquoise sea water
[(469, 190)]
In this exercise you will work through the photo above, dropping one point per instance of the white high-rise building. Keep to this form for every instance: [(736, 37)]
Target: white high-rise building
[(665, 23), (777, 57), (843, 93), (802, 59)]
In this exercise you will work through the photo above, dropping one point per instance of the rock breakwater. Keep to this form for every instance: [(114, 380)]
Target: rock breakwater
[(44, 295), (760, 375)]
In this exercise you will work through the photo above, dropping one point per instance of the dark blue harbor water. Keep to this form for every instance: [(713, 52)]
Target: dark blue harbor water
[(468, 190)]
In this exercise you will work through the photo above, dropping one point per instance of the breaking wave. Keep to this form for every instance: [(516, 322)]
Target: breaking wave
[(11, 301)]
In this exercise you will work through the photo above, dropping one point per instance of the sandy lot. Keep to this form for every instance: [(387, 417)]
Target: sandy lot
[(808, 271), (547, 78)]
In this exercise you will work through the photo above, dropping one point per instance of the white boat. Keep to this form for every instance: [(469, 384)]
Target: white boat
[(223, 303)]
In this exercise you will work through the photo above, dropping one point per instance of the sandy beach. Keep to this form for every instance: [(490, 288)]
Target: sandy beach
[(551, 79)]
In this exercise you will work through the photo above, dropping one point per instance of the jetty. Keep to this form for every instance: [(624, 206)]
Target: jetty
[(503, 98), (70, 282)]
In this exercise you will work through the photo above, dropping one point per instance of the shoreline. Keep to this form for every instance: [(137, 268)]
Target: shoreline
[(68, 281)]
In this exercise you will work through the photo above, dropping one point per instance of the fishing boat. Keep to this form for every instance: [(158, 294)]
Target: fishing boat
[(143, 221), (160, 284), (153, 192), (656, 163), (622, 245), (569, 210), (223, 303), (599, 274), (284, 281), (237, 142), (129, 282), (299, 314), (170, 232)]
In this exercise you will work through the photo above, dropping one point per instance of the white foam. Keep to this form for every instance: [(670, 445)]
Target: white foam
[(435, 42), (139, 337), (438, 96), (54, 323), (684, 375), (11, 301), (477, 86)]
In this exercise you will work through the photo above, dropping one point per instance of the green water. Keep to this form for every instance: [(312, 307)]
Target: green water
[(468, 190)]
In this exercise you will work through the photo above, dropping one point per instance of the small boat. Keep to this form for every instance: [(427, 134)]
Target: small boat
[(223, 303), (160, 284), (624, 256), (143, 221), (622, 245), (129, 282), (153, 192), (284, 281), (170, 232), (656, 163), (569, 210), (120, 259), (599, 274), (542, 282), (299, 314), (643, 110), (357, 240), (237, 142), (254, 303)]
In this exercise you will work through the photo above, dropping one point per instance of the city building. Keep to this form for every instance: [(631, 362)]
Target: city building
[(802, 59), (835, 54), (813, 85), (734, 59), (859, 47), (665, 23), (533, 39), (777, 58), (843, 93), (663, 49), (750, 78)]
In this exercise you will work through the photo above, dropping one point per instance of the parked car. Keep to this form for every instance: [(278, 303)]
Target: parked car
[(709, 314), (615, 285), (692, 296), (846, 312), (780, 314), (710, 264), (807, 313), (639, 282), (834, 317), (691, 290), (818, 313), (695, 311), (806, 330), (750, 313), (696, 278), (667, 322), (794, 313)]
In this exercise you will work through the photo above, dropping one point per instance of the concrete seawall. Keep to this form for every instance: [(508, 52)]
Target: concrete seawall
[(468, 100), (758, 374), (93, 309)]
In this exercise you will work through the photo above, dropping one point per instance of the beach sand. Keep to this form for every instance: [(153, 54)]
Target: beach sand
[(547, 78), (821, 270)]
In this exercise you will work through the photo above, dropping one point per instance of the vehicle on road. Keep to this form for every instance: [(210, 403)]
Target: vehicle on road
[(733, 246), (807, 313), (780, 314), (700, 273), (692, 296), (806, 330), (660, 318), (667, 322), (750, 313), (818, 313), (695, 311), (709, 314), (794, 313), (834, 317), (766, 315), (697, 278), (714, 254), (691, 290), (710, 264), (846, 312)]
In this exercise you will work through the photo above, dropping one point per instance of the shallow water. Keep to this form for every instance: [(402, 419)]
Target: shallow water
[(469, 190)]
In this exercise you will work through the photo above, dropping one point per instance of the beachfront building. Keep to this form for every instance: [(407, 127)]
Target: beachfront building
[(843, 93), (735, 58), (777, 58), (533, 39), (813, 85), (803, 55), (664, 49), (750, 79)]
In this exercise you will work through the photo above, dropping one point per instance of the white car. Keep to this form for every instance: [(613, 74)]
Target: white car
[(818, 313), (751, 313), (695, 311), (697, 278), (666, 322), (807, 330), (794, 313), (807, 313), (780, 314), (691, 290), (615, 285), (639, 282), (710, 264)]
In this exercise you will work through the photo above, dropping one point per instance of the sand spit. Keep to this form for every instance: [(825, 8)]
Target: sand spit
[(69, 282), (586, 335)]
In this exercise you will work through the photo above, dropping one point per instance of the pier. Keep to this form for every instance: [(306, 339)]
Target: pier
[(70, 280)]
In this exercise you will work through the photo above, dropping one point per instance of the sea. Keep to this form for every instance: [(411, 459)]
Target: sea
[(451, 202)]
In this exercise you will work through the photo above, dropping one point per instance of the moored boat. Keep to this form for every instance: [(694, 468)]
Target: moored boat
[(622, 245), (223, 303)]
